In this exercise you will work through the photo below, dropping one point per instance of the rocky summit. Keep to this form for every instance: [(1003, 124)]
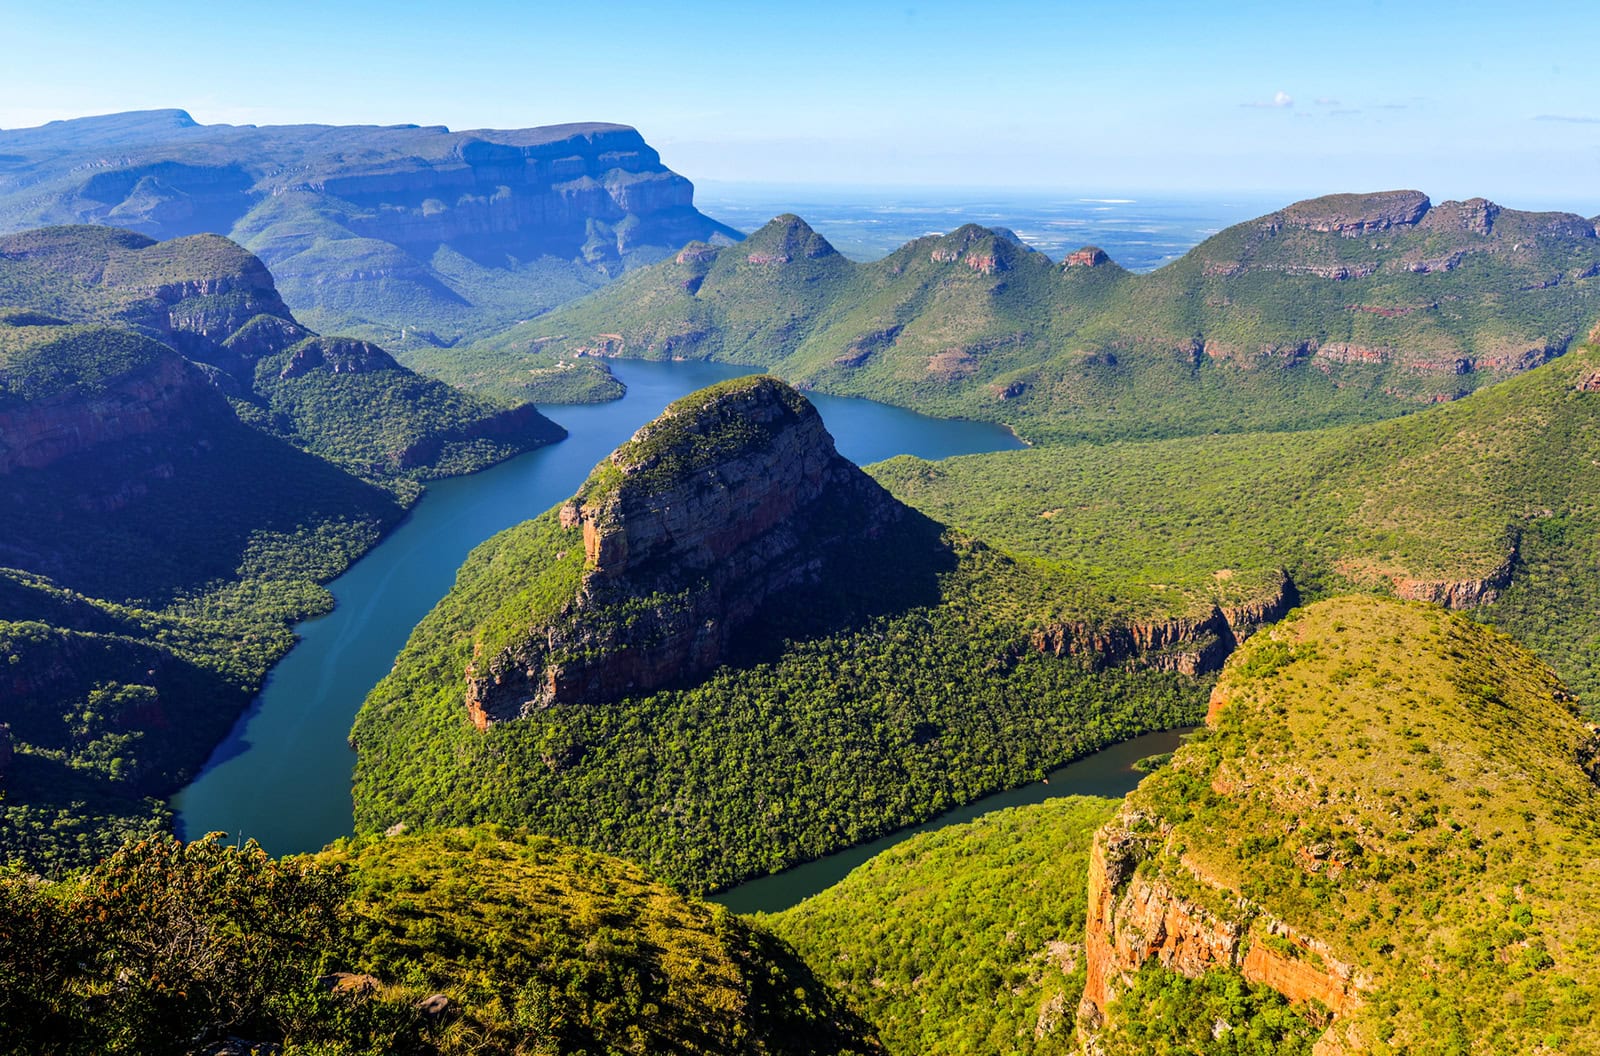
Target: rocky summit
[(732, 495)]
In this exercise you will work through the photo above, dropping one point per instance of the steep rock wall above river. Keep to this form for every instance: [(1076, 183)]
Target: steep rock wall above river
[(709, 513)]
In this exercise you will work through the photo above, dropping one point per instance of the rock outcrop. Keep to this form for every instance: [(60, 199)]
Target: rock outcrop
[(1351, 831), (203, 295), (1460, 593), (161, 393), (336, 356), (708, 514), (783, 240), (1192, 645), (1355, 214), (1087, 257), (1134, 918)]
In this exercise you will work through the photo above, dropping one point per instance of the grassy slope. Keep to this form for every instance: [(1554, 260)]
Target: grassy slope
[(969, 939), (536, 946), (1443, 495), (561, 948), (1209, 343), (1440, 762)]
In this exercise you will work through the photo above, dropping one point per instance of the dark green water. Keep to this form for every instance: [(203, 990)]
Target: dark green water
[(283, 775), (1108, 773)]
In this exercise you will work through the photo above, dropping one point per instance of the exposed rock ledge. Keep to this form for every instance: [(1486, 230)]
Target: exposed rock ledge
[(1133, 918), (731, 496), (1196, 925), (1191, 645), (1461, 593)]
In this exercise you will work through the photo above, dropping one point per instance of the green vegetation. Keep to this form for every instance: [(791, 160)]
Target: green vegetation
[(114, 703), (350, 403), (901, 684), (1218, 1014), (1415, 792), (1255, 329), (494, 371), (1441, 499), (964, 940), (523, 945), (344, 400), (692, 435), (42, 358), (162, 947), (154, 548)]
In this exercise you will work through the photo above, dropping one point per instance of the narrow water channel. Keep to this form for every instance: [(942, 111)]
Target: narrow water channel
[(282, 776), (1106, 773)]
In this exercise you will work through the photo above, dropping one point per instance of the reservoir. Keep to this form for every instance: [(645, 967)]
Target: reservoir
[(282, 776)]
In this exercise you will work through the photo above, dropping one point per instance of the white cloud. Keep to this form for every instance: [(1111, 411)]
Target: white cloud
[(1280, 100)]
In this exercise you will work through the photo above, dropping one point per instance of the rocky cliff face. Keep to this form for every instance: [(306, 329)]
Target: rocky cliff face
[(161, 394), (1355, 214), (1460, 593), (336, 356), (203, 295), (688, 530), (1194, 645), (351, 218), (1134, 918), (1345, 832), (175, 178)]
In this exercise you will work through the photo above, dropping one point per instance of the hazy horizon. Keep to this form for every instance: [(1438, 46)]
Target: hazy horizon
[(1455, 99)]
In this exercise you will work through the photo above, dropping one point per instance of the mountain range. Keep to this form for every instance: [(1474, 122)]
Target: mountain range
[(1349, 307), (410, 236)]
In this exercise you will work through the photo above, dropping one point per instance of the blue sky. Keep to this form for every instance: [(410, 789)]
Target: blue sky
[(1454, 98)]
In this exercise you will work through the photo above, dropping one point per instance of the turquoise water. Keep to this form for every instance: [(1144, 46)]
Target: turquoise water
[(283, 775)]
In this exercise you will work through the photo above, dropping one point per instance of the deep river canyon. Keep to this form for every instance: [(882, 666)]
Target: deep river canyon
[(282, 777)]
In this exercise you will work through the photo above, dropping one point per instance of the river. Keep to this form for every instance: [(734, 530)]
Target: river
[(282, 776), (1105, 773)]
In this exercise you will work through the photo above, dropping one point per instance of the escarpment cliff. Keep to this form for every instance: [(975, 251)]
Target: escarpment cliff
[(1192, 645), (1194, 925), (1341, 308), (709, 513), (1363, 829), (149, 390), (410, 234)]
